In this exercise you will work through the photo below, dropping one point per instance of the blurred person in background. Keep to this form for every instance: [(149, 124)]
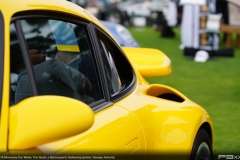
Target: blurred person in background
[(112, 13), (222, 7), (170, 13)]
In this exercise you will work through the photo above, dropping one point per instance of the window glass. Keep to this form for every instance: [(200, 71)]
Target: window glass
[(114, 82), (119, 72), (62, 61)]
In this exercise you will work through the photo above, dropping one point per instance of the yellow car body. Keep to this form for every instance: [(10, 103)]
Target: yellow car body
[(140, 123)]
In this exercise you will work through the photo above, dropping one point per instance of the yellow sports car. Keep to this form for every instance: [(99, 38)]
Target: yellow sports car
[(68, 90)]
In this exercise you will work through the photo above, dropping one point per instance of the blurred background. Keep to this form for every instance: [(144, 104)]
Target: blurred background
[(201, 37)]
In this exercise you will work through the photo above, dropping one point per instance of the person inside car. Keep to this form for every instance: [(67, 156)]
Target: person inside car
[(52, 78)]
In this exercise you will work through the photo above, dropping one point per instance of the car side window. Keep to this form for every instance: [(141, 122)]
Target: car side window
[(119, 72), (113, 79), (62, 61)]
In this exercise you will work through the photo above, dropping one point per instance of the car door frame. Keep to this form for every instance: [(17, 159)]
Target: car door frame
[(90, 28)]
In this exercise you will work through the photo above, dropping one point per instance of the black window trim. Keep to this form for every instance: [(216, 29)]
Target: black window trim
[(26, 57), (125, 90), (1, 56), (78, 21), (101, 70)]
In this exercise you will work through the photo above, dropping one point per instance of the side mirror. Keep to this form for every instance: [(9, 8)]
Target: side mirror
[(149, 62), (44, 119)]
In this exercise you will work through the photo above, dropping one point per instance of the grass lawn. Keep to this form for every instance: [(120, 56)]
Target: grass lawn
[(215, 85)]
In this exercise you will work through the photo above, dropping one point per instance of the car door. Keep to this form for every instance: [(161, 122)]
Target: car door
[(39, 59)]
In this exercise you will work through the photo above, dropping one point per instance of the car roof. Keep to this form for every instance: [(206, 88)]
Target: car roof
[(14, 6), (10, 7)]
